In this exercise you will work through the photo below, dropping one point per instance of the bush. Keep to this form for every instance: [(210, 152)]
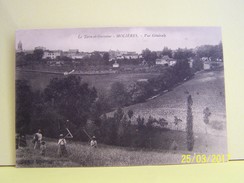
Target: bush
[(119, 96)]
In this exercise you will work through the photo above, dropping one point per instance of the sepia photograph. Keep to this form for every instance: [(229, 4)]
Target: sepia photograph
[(120, 96)]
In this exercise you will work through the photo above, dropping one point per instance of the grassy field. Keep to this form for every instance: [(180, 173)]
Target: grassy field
[(39, 81), (81, 154), (207, 90)]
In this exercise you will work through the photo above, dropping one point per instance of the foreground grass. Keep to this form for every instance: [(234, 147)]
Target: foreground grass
[(82, 155), (85, 156)]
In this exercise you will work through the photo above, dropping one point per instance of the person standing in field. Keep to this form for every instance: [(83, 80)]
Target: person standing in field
[(62, 151), (93, 142), (43, 148), (37, 139)]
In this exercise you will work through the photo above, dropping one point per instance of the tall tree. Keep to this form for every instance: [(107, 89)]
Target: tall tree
[(141, 138), (182, 70), (118, 115), (183, 54), (119, 95), (149, 56), (72, 98), (197, 64), (106, 57), (189, 125), (146, 54), (206, 114), (116, 128), (153, 58), (130, 114), (99, 107), (38, 53), (23, 106), (167, 51), (96, 58)]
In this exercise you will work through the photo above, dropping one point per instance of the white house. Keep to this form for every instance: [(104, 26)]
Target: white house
[(51, 54), (115, 65), (122, 55), (206, 65), (165, 60), (160, 61), (131, 56), (172, 62), (78, 55)]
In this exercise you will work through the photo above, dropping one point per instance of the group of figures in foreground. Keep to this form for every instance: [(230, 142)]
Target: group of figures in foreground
[(41, 145)]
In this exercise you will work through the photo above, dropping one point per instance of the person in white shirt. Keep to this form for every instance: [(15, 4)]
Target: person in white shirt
[(37, 139), (62, 151), (93, 142)]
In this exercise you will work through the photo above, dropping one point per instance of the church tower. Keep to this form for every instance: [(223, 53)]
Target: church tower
[(19, 48)]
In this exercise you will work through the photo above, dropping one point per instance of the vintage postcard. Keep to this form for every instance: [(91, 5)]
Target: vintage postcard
[(127, 96)]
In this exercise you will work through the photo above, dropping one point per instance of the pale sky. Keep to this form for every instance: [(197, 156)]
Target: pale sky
[(172, 37)]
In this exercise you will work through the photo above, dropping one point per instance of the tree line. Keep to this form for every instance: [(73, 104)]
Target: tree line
[(212, 52)]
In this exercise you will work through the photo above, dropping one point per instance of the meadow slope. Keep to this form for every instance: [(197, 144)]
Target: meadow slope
[(207, 90)]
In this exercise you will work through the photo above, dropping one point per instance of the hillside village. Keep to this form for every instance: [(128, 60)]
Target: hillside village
[(122, 61)]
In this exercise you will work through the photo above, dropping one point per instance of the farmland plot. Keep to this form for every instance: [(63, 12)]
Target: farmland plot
[(102, 82)]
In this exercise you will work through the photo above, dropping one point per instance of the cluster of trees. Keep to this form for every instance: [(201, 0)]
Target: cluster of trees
[(127, 61), (63, 99), (23, 59), (95, 59), (179, 54), (212, 52), (141, 90), (68, 103), (183, 54), (119, 130), (149, 56)]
